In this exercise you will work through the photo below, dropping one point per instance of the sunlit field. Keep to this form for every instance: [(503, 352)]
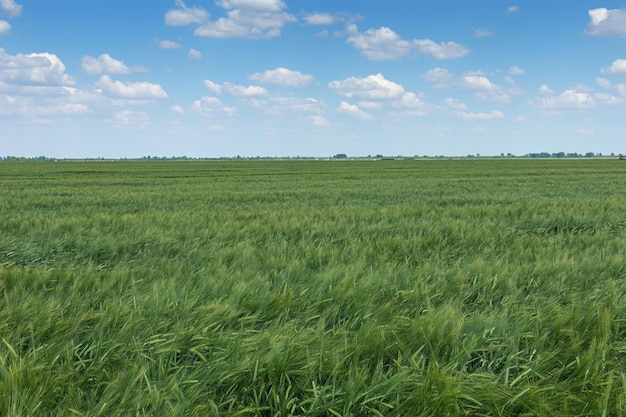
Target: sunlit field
[(469, 287)]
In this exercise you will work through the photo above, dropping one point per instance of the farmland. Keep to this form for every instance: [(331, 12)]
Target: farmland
[(313, 288)]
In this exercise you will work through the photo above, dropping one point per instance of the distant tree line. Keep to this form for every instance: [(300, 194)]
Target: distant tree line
[(563, 155), (336, 156)]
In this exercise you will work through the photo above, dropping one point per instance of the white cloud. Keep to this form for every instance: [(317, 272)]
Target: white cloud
[(260, 5), (443, 50), (52, 102), (608, 99), (186, 15), (128, 90), (194, 54), (495, 114), (439, 77), (455, 104), (283, 77), (569, 99), (5, 27), (604, 83), (515, 70), (544, 89), (104, 64), (384, 43), (235, 90), (378, 44), (371, 87), (212, 106), (33, 69), (483, 87), (166, 44), (617, 67), (354, 111), (605, 22), (176, 109), (129, 120), (477, 82), (520, 119), (10, 8), (320, 18), (370, 105), (277, 105), (250, 19), (513, 9), (243, 91), (213, 87), (319, 121), (412, 101), (482, 33)]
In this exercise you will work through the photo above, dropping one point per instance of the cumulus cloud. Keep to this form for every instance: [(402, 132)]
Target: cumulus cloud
[(212, 106), (605, 22), (378, 44), (384, 44), (176, 109), (166, 44), (512, 9), (33, 69), (129, 120), (104, 64), (618, 67), (194, 54), (412, 104), (10, 8), (260, 5), (569, 99), (243, 91), (51, 102), (604, 83), (544, 89), (483, 87), (213, 87), (319, 121), (5, 27), (455, 104), (249, 19), (354, 111), (439, 77), (372, 87), (515, 70), (443, 50), (476, 82), (495, 114), (276, 105), (283, 77), (608, 98), (184, 15), (235, 90), (128, 90), (370, 105), (320, 18)]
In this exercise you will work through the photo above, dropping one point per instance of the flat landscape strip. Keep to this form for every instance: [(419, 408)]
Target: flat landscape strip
[(313, 288)]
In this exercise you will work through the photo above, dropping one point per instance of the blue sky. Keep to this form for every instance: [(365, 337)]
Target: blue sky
[(212, 78)]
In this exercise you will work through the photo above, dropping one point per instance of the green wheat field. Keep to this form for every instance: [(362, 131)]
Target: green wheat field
[(473, 287)]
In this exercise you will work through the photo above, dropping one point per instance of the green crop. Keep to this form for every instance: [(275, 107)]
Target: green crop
[(313, 288)]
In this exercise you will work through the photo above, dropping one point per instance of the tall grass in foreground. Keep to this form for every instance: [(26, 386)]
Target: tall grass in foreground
[(375, 288)]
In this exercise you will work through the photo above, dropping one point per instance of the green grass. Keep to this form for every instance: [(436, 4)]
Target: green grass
[(313, 288)]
